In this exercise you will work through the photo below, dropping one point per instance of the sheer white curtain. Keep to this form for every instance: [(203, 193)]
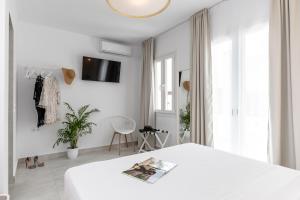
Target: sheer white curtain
[(240, 77)]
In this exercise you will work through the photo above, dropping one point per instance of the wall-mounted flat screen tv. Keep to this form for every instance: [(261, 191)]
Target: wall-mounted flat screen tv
[(103, 70)]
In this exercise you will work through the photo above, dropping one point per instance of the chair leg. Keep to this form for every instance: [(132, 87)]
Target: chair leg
[(119, 144), (112, 140), (133, 142), (126, 141)]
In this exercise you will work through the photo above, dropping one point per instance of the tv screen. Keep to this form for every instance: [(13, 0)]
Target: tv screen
[(95, 69)]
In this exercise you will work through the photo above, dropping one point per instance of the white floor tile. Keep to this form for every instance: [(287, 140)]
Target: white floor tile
[(46, 183)]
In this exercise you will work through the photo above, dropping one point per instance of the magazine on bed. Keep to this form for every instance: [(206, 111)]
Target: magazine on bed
[(150, 170)]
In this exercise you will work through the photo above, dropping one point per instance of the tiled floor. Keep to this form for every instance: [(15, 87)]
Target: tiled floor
[(47, 183)]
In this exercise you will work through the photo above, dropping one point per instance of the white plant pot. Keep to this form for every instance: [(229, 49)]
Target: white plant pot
[(72, 153)]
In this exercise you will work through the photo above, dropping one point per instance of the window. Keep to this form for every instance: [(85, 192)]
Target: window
[(223, 94), (164, 84), (254, 93), (241, 92)]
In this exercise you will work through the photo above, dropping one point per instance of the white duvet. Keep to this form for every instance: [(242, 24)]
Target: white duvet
[(202, 174)]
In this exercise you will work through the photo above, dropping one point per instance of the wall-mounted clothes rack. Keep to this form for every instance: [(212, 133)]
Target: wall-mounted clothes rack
[(46, 93), (33, 72)]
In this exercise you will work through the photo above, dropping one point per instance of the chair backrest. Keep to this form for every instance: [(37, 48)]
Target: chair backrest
[(120, 123)]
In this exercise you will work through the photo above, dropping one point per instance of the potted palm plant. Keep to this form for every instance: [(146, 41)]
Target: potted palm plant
[(185, 117), (76, 125)]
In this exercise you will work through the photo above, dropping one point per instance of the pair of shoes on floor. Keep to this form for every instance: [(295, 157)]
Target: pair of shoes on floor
[(35, 164)]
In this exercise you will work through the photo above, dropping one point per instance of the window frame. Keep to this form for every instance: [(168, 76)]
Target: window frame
[(163, 59)]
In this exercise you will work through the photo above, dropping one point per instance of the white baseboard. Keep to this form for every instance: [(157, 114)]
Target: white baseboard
[(81, 151)]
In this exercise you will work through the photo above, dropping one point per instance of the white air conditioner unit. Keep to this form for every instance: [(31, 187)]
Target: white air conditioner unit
[(115, 48)]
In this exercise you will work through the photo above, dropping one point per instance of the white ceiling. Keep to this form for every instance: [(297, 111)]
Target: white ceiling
[(95, 18)]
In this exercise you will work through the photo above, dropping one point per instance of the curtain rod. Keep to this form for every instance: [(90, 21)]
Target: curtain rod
[(173, 27)]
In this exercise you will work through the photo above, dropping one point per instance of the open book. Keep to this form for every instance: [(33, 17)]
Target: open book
[(150, 170)]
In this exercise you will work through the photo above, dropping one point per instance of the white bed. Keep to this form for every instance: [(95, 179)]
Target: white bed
[(202, 174)]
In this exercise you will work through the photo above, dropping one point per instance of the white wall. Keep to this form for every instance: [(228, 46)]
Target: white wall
[(176, 41), (13, 81), (47, 47), (228, 17), (6, 8), (3, 103)]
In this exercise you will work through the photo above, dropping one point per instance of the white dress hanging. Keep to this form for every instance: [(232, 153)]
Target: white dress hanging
[(50, 99)]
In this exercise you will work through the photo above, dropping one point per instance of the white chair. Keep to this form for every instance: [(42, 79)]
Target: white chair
[(122, 126)]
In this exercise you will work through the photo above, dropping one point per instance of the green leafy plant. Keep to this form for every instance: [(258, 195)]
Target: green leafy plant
[(185, 117), (76, 125)]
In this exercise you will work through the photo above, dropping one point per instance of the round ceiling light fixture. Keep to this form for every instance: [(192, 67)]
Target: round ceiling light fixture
[(139, 8)]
